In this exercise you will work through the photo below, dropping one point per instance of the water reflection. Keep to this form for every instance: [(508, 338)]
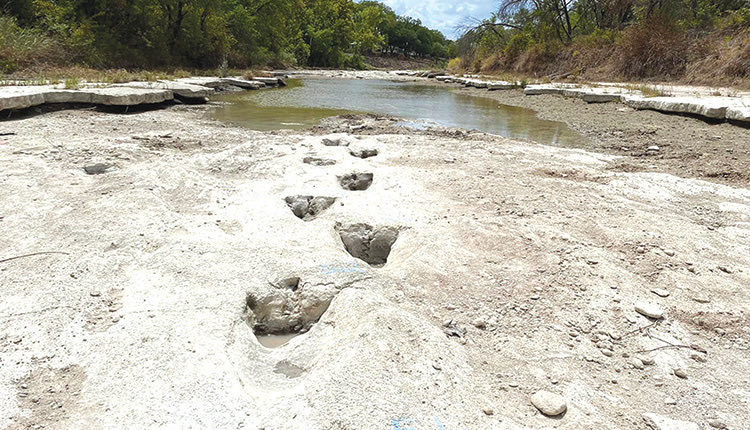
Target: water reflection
[(304, 103)]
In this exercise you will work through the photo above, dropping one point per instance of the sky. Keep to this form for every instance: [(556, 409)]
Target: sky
[(443, 15)]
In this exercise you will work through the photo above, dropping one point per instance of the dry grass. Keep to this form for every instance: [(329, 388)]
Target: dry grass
[(654, 49), (652, 52), (646, 90), (727, 60)]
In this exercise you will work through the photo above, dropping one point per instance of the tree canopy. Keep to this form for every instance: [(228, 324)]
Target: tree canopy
[(208, 33)]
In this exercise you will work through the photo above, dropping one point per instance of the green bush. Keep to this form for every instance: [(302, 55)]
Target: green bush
[(21, 47)]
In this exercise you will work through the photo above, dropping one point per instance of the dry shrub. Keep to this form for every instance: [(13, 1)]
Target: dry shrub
[(727, 60), (539, 58), (656, 48), (456, 65), (492, 63)]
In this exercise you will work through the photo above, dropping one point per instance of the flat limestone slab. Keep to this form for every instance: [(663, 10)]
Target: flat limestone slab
[(537, 90), (203, 81), (68, 96), (244, 83), (118, 96), (709, 107), (21, 97), (180, 89), (25, 97), (268, 81), (476, 83), (739, 113), (500, 85), (595, 95)]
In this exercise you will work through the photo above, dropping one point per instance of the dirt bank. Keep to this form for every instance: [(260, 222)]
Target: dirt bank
[(688, 147), (512, 268)]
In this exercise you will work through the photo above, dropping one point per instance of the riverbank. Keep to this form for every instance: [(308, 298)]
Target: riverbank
[(514, 268), (688, 147)]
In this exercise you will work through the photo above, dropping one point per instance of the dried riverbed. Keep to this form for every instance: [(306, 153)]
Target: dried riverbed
[(510, 268), (688, 147)]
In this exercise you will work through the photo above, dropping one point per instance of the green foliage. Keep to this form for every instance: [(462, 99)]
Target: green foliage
[(210, 33), (21, 46), (72, 84)]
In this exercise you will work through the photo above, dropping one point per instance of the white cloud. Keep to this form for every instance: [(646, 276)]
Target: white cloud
[(443, 15)]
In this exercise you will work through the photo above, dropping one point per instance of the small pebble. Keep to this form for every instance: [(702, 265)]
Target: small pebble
[(647, 360), (637, 363), (649, 309), (549, 404), (660, 292), (680, 373)]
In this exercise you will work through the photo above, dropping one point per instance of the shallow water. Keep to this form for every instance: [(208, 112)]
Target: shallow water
[(305, 102), (275, 340)]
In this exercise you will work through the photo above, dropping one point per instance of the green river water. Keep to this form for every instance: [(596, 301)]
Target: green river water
[(305, 102)]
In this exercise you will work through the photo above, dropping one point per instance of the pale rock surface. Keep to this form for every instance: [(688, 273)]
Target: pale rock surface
[(709, 107), (364, 148), (244, 83), (739, 112), (180, 89), (501, 85), (658, 422), (336, 139), (19, 97)]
